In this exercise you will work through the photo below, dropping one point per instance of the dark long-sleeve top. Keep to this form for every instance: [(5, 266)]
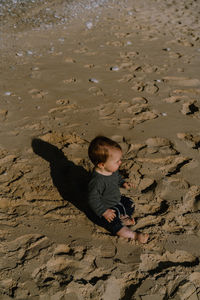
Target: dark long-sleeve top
[(104, 192)]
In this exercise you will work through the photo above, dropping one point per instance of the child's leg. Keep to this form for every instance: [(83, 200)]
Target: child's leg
[(122, 215), (128, 207), (113, 226), (137, 236), (127, 221)]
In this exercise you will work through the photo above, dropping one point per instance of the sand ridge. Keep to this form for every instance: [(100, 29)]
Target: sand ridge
[(126, 69)]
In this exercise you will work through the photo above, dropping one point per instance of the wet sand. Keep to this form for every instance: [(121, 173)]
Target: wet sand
[(70, 71)]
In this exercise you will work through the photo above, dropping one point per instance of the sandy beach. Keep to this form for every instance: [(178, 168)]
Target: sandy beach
[(71, 70)]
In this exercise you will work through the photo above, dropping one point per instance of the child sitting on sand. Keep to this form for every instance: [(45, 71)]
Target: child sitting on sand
[(113, 210)]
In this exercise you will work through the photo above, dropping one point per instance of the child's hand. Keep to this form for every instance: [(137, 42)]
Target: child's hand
[(109, 215), (127, 185)]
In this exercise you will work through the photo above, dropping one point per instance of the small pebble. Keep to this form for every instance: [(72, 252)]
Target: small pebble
[(114, 68), (35, 69), (166, 49), (89, 25), (51, 49), (180, 70), (129, 43), (164, 114), (7, 93), (93, 80), (19, 54)]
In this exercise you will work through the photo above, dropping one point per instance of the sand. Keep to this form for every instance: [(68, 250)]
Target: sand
[(72, 70)]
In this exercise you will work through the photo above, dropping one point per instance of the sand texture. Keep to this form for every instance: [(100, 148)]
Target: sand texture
[(70, 70)]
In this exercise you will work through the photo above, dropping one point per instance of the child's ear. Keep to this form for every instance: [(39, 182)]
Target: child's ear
[(100, 165)]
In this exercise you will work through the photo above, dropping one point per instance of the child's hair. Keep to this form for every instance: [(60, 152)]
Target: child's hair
[(98, 150)]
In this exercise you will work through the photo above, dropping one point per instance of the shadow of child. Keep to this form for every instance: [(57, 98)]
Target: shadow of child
[(70, 180)]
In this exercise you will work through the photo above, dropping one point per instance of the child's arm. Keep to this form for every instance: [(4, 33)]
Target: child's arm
[(109, 215), (122, 183), (95, 191), (127, 185)]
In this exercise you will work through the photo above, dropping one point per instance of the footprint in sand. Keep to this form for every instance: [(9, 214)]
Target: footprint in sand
[(70, 80), (3, 114), (91, 53), (128, 55), (115, 43), (144, 116), (121, 35), (38, 93), (62, 101), (96, 91), (183, 81), (191, 201), (139, 101), (192, 140), (106, 111), (35, 73), (137, 109), (128, 65), (36, 126), (174, 99), (82, 50), (125, 123), (126, 78), (62, 109), (191, 107), (138, 86), (187, 91), (69, 60), (148, 87), (89, 66), (61, 139), (159, 158), (175, 55), (147, 68), (151, 88)]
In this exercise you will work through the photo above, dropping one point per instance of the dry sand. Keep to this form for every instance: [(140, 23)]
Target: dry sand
[(72, 70)]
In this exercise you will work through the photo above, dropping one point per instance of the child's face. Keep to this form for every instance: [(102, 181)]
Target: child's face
[(114, 161)]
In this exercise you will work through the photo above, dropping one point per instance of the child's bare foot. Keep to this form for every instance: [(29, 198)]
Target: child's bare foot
[(141, 237), (127, 221), (137, 236)]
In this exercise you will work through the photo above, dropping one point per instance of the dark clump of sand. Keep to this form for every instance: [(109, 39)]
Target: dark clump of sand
[(69, 71)]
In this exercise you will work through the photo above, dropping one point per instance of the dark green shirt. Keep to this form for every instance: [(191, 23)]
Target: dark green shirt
[(104, 192)]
